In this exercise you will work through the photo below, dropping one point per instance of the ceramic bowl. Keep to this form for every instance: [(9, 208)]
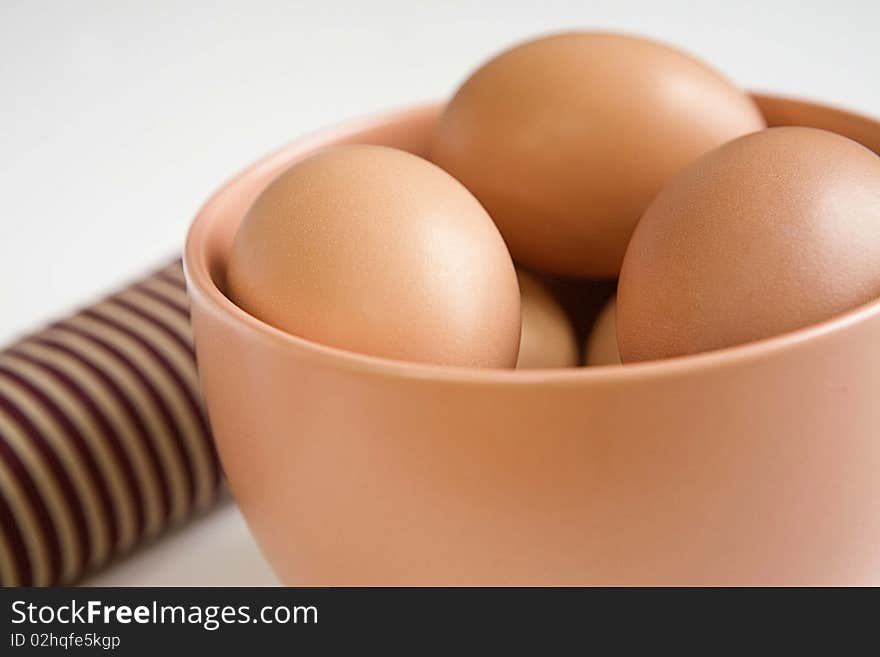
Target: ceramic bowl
[(754, 465)]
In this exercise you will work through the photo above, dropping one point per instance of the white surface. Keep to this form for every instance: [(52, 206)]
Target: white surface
[(215, 549), (117, 119)]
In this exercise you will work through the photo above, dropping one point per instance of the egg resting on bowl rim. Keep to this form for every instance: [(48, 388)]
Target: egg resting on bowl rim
[(771, 232), (378, 251)]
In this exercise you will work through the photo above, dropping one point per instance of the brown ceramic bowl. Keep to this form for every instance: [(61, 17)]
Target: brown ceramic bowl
[(758, 464)]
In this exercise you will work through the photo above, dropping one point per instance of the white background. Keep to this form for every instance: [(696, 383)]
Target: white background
[(117, 119)]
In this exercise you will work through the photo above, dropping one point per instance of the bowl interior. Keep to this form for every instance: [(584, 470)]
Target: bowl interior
[(211, 236)]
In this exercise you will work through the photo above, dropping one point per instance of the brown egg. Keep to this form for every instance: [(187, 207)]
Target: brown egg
[(771, 232), (547, 338), (601, 346), (566, 139), (378, 251)]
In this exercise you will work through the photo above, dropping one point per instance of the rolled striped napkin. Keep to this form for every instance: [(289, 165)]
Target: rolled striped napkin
[(104, 442)]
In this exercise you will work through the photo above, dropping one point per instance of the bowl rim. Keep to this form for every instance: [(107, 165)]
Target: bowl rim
[(201, 284)]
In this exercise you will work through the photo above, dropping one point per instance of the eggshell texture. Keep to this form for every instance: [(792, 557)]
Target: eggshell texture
[(378, 251), (547, 338), (771, 232), (566, 139), (601, 346)]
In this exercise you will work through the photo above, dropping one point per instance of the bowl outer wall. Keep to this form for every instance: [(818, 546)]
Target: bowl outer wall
[(756, 465)]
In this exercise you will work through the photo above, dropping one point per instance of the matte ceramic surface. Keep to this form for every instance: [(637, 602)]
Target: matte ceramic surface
[(751, 465)]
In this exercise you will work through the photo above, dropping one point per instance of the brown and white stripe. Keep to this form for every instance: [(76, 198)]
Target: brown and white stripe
[(104, 440)]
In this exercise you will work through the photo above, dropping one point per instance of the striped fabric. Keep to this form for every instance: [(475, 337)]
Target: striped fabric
[(104, 441)]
